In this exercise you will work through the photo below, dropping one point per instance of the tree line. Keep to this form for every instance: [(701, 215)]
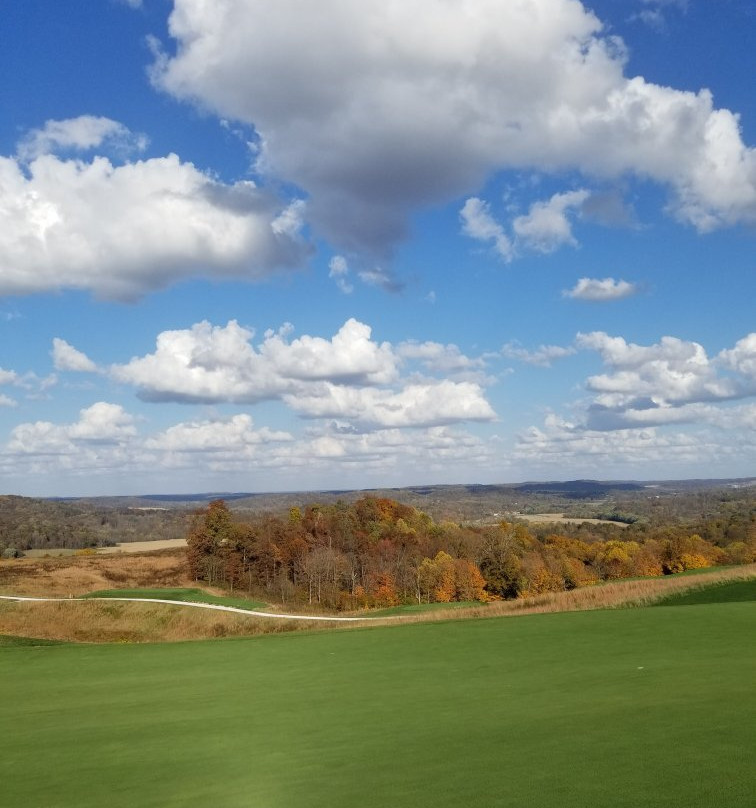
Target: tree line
[(379, 552)]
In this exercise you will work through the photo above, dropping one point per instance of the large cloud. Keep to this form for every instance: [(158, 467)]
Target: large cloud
[(105, 439), (416, 405), (123, 229), (212, 364), (646, 391), (377, 107), (350, 377), (102, 423)]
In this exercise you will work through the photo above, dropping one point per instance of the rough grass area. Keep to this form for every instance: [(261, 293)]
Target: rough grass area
[(732, 592), (77, 575), (187, 595), (634, 708), (101, 621), (422, 608)]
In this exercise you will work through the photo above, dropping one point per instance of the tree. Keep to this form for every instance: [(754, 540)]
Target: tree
[(211, 530)]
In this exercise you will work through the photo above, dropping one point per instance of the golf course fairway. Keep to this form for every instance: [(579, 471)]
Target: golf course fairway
[(628, 707)]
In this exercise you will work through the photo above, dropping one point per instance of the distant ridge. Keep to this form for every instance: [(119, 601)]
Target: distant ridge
[(568, 489)]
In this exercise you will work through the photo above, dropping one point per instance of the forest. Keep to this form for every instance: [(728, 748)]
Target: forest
[(377, 552)]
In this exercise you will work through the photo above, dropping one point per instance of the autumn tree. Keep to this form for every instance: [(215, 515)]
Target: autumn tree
[(211, 530)]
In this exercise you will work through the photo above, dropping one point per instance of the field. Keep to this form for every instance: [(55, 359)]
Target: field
[(635, 707), (560, 518)]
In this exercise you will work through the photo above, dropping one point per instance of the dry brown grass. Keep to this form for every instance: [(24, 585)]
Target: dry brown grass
[(77, 575), (105, 621)]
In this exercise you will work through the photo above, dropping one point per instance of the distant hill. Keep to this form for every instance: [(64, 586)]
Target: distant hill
[(579, 489)]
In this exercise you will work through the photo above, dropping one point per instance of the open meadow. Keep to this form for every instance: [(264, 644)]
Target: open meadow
[(626, 707)]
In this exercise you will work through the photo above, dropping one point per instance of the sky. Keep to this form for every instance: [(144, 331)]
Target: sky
[(254, 246)]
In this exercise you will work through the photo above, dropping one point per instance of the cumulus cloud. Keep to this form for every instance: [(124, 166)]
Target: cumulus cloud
[(66, 357), (668, 383), (350, 376), (741, 358), (561, 443), (543, 229), (103, 440), (211, 364), (543, 356), (235, 434), (412, 104), (672, 371), (416, 405), (546, 226), (79, 134), (478, 223), (600, 291), (122, 230), (101, 423), (439, 358)]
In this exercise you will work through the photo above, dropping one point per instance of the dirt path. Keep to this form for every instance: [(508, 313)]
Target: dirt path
[(215, 606)]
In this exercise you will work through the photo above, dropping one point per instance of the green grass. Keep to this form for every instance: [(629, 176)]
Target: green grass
[(623, 708), (182, 594), (8, 640), (727, 592)]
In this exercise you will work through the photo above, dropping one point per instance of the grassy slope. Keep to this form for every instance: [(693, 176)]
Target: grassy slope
[(181, 593), (730, 592), (628, 708)]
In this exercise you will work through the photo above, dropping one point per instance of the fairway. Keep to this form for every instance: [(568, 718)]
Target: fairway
[(635, 708)]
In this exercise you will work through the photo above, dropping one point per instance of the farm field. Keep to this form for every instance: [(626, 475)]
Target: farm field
[(560, 518), (638, 707)]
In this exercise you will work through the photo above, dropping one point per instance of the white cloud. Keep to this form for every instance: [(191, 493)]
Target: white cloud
[(233, 435), (7, 401), (668, 383), (338, 269), (546, 227), (66, 357), (416, 405), (8, 376), (596, 290), (654, 14), (412, 104), (382, 278), (478, 223), (103, 441), (79, 134), (673, 371), (543, 356), (741, 358), (209, 363), (563, 444), (102, 423), (124, 230), (349, 377), (439, 358), (349, 357)]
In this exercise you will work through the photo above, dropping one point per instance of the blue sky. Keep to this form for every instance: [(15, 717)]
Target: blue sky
[(254, 246)]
